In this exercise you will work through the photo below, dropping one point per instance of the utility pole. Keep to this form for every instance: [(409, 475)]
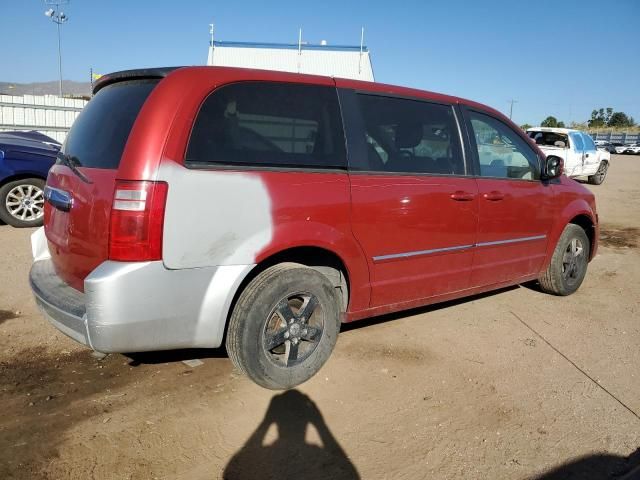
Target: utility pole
[(511, 107), (58, 18)]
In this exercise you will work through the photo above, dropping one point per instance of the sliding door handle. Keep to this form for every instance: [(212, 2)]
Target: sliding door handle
[(494, 196)]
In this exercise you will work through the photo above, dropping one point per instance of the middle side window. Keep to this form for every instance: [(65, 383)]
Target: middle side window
[(410, 136)]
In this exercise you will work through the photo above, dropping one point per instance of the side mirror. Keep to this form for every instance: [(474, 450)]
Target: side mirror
[(553, 167)]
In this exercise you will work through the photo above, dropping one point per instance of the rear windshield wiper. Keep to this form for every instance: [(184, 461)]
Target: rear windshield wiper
[(72, 163)]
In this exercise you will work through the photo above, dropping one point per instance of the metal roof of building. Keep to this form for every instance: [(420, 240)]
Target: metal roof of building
[(343, 61)]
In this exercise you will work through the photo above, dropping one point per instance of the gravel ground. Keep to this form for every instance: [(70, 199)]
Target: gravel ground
[(510, 385)]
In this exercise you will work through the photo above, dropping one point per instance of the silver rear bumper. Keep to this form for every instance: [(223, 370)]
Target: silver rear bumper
[(142, 306), (62, 305)]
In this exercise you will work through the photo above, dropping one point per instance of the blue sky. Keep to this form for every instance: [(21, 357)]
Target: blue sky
[(561, 58)]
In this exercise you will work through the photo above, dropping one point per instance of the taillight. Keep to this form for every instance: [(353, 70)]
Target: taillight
[(137, 220)]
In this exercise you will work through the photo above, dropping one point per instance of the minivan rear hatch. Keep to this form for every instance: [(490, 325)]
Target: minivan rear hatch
[(80, 185)]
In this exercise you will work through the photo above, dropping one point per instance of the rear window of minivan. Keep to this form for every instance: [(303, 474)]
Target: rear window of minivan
[(99, 134), (269, 124)]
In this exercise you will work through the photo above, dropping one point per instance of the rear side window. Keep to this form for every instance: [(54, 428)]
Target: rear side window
[(99, 134), (269, 124), (410, 136)]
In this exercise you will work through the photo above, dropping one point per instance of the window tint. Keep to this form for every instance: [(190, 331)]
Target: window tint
[(269, 124), (99, 134), (410, 136), (501, 151), (588, 142), (576, 139)]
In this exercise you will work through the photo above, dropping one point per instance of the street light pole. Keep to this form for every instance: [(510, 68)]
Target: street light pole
[(58, 18), (59, 61)]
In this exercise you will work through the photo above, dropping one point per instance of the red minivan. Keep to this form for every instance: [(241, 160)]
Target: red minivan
[(189, 205)]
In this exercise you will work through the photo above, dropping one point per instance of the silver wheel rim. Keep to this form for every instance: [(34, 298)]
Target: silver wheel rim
[(602, 172), (293, 329), (25, 202), (573, 260)]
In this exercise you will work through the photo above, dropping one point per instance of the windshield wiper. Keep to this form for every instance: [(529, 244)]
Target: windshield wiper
[(72, 163)]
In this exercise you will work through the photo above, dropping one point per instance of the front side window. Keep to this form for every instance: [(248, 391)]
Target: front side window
[(269, 124), (502, 153), (410, 136)]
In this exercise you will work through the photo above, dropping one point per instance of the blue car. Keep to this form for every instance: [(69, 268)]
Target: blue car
[(25, 160)]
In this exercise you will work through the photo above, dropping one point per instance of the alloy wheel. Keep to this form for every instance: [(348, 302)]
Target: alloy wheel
[(293, 329), (25, 202), (573, 260)]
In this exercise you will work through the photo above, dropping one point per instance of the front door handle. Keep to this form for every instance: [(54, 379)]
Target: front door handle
[(494, 196), (462, 196)]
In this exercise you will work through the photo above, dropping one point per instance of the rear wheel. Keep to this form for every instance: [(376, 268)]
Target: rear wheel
[(284, 326), (22, 202), (600, 175), (568, 265)]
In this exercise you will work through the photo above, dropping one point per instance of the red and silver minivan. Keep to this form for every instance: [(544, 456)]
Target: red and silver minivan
[(192, 205)]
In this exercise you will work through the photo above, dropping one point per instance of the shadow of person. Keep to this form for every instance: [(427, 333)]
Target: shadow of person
[(290, 456), (598, 466)]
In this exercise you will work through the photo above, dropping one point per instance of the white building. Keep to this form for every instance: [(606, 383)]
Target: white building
[(328, 60), (48, 114)]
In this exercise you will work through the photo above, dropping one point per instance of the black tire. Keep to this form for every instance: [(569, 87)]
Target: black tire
[(568, 266), (8, 212), (600, 175), (262, 345)]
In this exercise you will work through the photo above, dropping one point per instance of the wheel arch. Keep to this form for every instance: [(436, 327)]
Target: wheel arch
[(577, 212), (321, 259), (21, 176), (585, 222)]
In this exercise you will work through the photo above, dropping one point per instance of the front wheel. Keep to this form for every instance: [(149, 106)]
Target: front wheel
[(284, 326), (600, 175), (568, 266), (22, 202)]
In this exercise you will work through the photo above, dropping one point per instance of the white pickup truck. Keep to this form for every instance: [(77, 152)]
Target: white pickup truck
[(576, 148)]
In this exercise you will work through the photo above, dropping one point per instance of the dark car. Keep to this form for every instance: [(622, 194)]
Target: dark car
[(25, 160), (607, 146)]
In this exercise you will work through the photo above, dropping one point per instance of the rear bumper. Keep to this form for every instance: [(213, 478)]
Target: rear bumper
[(135, 307)]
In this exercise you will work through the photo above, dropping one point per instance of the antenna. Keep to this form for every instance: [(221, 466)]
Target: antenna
[(511, 107), (361, 47)]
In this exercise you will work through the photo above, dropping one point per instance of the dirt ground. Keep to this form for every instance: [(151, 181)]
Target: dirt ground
[(511, 385)]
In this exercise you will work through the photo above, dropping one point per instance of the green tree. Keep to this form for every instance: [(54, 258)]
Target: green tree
[(620, 119), (607, 116), (549, 122), (598, 118), (525, 126), (561, 125)]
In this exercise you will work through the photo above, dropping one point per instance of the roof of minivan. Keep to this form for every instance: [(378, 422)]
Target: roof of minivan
[(163, 72)]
